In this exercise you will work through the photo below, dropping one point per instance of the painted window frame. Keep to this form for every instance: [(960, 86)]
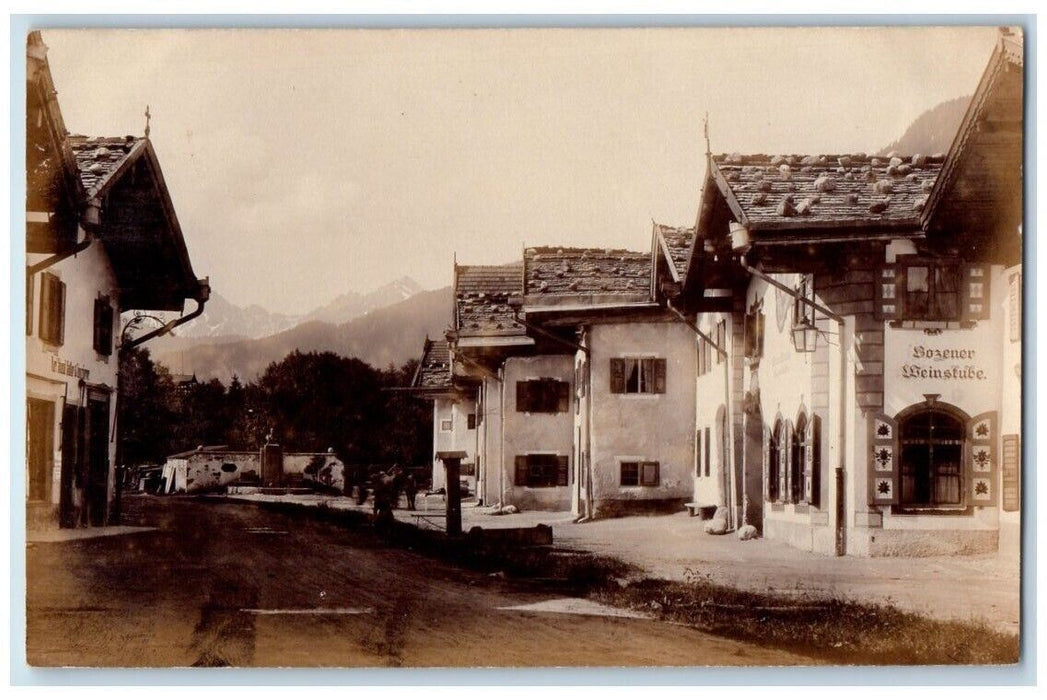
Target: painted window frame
[(540, 470), (543, 395), (642, 473), (651, 375)]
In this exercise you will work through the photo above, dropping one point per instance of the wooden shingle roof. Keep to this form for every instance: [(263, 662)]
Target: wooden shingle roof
[(434, 370), (826, 191), (99, 159), (676, 243), (481, 294), (552, 273)]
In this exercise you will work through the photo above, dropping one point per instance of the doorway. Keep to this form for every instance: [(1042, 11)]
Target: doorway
[(40, 438), (96, 497)]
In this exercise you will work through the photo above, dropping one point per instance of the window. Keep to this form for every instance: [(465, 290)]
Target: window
[(926, 289), (52, 309), (634, 375), (803, 312), (639, 473), (543, 396), (471, 421), (447, 425), (797, 473), (773, 476), (1014, 304), (931, 452), (541, 470), (754, 335), (721, 340), (103, 326)]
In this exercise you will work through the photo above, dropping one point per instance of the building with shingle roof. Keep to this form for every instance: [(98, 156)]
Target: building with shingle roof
[(102, 237), (857, 355)]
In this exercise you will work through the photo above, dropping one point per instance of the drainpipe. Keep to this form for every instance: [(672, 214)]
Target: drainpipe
[(729, 486), (841, 523), (91, 220), (501, 435), (203, 294)]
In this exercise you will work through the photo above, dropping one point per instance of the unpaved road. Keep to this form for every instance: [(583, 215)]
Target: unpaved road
[(235, 585)]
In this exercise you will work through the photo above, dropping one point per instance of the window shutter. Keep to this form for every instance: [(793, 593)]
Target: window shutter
[(659, 375), (471, 421), (766, 464), (883, 461), (1011, 471), (983, 464), (523, 396), (975, 295), (29, 285), (561, 470), (617, 375), (649, 474), (59, 316), (701, 357), (890, 293), (563, 397), (783, 463), (760, 318), (521, 470), (698, 452), (103, 326), (814, 457)]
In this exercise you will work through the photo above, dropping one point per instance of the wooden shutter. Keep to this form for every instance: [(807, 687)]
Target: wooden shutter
[(471, 421), (1011, 473), (563, 397), (760, 320), (814, 461), (521, 470), (659, 375), (617, 375), (561, 470), (785, 450), (29, 286), (649, 475), (701, 357), (975, 292), (707, 442), (983, 463), (890, 293), (883, 460), (523, 396), (52, 309), (766, 464), (103, 326), (698, 452)]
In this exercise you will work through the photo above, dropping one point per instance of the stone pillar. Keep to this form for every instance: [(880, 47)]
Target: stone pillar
[(272, 460), (452, 462)]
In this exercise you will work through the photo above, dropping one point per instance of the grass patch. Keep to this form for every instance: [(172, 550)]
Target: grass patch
[(837, 631)]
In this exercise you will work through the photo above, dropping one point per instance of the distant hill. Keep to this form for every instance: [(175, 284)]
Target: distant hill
[(933, 131), (393, 334)]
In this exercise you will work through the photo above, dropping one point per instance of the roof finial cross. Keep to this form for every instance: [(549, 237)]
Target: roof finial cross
[(147, 115)]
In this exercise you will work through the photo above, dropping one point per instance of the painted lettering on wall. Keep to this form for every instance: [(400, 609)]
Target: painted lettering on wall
[(940, 363), (59, 366)]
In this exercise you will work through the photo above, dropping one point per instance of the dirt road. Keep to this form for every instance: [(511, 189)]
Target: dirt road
[(234, 585)]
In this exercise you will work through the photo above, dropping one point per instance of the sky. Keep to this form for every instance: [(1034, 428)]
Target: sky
[(304, 164)]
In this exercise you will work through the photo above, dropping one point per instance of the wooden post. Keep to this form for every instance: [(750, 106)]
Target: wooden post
[(453, 468)]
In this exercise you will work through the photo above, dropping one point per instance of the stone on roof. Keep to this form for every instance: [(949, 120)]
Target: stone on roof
[(678, 240), (794, 191), (98, 158), (565, 272), (434, 371), (482, 299)]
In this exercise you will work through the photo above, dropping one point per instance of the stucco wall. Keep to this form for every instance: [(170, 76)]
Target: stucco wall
[(458, 438), (710, 397), (646, 427), (204, 471), (526, 433), (54, 372)]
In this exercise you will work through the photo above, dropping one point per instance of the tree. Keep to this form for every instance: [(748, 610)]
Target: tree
[(145, 408)]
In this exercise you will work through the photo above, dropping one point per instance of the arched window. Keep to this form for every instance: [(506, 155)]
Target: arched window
[(773, 475), (931, 458), (797, 474)]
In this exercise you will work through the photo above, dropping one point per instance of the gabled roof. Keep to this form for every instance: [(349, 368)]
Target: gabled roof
[(675, 243), (784, 192), (481, 294), (99, 160), (434, 370), (586, 275), (138, 225), (980, 188)]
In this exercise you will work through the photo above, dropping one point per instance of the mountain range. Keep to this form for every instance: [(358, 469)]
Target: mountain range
[(387, 326)]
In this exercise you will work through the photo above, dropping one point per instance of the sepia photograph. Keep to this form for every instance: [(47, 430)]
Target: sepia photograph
[(522, 348)]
